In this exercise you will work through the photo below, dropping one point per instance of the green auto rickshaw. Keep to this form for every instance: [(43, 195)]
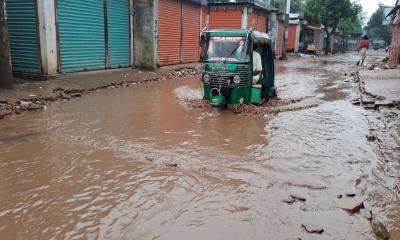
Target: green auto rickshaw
[(238, 67)]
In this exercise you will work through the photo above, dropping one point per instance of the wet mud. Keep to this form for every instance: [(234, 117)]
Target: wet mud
[(154, 161)]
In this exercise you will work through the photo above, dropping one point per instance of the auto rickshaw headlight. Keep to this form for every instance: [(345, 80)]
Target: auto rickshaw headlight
[(236, 79), (206, 78)]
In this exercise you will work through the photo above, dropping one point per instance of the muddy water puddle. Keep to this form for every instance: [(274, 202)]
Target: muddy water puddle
[(137, 163)]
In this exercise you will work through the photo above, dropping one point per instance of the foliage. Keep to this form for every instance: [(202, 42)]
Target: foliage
[(330, 13), (376, 30), (296, 6), (349, 26)]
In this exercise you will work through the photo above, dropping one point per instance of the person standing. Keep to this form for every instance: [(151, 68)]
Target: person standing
[(362, 50)]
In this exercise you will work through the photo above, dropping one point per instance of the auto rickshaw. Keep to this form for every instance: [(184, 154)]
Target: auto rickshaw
[(227, 73)]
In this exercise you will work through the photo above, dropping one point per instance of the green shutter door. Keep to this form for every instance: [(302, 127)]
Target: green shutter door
[(118, 33), (81, 35), (23, 36)]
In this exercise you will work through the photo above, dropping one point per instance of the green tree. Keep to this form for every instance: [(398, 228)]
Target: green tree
[(376, 30), (330, 13), (296, 6)]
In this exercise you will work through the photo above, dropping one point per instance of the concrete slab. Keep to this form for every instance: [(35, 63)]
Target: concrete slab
[(385, 83)]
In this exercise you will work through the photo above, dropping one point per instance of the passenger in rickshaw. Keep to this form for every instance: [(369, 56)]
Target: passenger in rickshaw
[(257, 67)]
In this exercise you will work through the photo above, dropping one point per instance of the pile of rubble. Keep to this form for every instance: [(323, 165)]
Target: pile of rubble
[(34, 102), (381, 65)]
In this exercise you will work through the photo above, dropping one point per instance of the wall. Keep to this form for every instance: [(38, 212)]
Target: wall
[(48, 37), (145, 31), (279, 38)]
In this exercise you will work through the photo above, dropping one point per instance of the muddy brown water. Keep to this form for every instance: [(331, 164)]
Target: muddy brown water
[(136, 163)]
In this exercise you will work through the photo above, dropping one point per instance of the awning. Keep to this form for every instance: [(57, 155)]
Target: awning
[(313, 28)]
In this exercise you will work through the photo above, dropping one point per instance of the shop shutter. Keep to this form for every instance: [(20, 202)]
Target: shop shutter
[(230, 18), (191, 32), (291, 44), (23, 37), (169, 32), (81, 35), (262, 23), (118, 33)]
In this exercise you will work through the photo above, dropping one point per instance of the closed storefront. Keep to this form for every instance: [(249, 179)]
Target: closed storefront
[(81, 35), (178, 32), (190, 32), (257, 21), (169, 32), (225, 17), (23, 36), (291, 44), (118, 33), (93, 34), (262, 23)]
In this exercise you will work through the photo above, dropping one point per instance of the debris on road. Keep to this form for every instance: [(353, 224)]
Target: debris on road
[(289, 200), (298, 197), (350, 194), (354, 207), (366, 213), (380, 230), (171, 164), (311, 228), (371, 137)]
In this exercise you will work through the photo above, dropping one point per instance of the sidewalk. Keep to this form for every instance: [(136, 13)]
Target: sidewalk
[(27, 89), (385, 84)]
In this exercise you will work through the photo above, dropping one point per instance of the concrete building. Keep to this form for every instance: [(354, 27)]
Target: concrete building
[(63, 36), (235, 14), (294, 32)]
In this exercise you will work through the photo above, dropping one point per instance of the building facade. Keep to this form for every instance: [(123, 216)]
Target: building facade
[(65, 36)]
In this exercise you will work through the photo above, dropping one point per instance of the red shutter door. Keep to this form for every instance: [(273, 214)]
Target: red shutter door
[(191, 32), (230, 18), (262, 23), (169, 32), (291, 37)]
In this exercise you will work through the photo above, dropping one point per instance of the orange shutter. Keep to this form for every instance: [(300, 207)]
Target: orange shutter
[(191, 32), (229, 18), (169, 32), (291, 37), (262, 23)]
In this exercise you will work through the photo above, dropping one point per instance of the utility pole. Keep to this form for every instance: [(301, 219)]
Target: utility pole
[(6, 76), (286, 6)]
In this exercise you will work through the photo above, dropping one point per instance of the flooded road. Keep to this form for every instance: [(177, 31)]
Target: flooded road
[(139, 163)]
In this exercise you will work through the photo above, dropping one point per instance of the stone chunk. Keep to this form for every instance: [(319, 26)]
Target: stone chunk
[(311, 228), (354, 207)]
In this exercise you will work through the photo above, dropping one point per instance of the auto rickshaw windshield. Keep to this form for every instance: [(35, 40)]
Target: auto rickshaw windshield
[(227, 49)]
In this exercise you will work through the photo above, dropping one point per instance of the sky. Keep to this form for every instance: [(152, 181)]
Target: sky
[(370, 6)]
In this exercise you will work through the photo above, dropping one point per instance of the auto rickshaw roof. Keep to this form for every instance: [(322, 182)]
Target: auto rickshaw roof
[(228, 33), (259, 37)]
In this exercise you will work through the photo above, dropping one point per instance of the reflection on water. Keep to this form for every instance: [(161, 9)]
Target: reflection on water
[(134, 163)]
